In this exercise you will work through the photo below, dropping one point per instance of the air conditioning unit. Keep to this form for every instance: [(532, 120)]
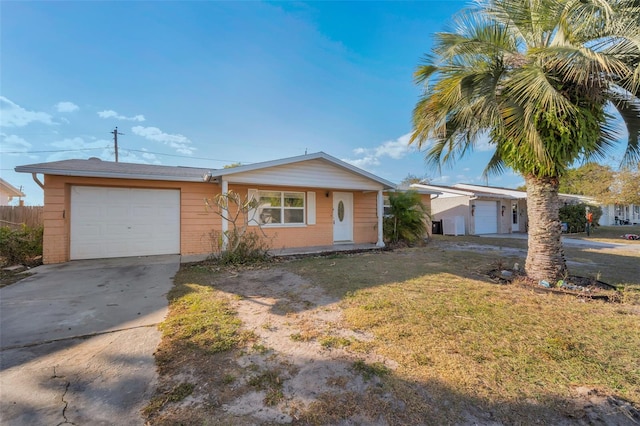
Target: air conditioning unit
[(453, 225)]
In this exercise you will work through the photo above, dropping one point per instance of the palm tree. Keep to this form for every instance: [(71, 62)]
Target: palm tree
[(407, 218), (543, 80)]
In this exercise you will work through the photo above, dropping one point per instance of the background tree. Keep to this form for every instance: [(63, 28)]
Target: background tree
[(575, 216), (591, 179), (232, 165), (411, 179), (537, 77), (625, 188)]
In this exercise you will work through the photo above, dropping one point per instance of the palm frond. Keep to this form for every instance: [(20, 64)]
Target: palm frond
[(629, 109)]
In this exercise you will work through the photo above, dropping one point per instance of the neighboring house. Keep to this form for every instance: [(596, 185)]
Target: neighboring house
[(612, 214), (97, 209), (490, 209), (476, 211), (8, 192), (620, 214)]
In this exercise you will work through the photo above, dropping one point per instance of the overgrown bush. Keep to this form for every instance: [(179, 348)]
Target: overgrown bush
[(575, 215), (246, 248), (20, 245), (407, 218), (242, 245)]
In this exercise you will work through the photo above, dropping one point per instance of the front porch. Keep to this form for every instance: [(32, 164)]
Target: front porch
[(317, 250)]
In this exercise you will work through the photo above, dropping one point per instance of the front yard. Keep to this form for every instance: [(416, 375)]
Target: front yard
[(413, 336)]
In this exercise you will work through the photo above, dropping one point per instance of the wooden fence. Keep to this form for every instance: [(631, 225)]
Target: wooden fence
[(15, 216)]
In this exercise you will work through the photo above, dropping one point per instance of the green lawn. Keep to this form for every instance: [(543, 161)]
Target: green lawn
[(461, 342)]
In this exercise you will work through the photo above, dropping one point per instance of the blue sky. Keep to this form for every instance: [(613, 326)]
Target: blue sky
[(206, 84)]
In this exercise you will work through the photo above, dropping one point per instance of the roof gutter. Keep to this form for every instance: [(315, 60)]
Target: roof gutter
[(109, 175), (36, 180)]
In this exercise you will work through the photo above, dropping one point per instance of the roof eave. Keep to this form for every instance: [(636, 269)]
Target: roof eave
[(108, 175)]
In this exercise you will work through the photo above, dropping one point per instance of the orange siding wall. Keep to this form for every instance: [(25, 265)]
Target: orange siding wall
[(320, 234), (426, 200), (365, 217), (197, 222)]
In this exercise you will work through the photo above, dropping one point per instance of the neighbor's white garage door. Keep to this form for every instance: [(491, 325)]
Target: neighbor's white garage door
[(120, 222), (486, 217)]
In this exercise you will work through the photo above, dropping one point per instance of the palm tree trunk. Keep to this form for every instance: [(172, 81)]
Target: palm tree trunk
[(545, 258)]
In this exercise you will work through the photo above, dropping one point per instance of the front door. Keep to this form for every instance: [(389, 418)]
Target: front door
[(515, 224), (342, 217)]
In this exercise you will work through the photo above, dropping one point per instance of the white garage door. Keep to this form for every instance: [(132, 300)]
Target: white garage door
[(120, 222), (486, 217)]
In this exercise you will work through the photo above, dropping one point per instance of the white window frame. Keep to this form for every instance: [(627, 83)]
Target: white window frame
[(386, 206), (282, 208)]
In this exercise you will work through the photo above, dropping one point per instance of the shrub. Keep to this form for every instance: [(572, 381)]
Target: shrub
[(245, 248), (407, 218), (575, 216), (20, 245)]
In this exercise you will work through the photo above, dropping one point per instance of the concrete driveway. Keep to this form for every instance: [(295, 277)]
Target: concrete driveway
[(77, 341)]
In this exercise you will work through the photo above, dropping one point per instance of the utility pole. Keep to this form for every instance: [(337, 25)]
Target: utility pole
[(115, 140)]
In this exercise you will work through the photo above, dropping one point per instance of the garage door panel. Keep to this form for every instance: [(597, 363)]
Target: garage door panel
[(486, 217), (120, 222)]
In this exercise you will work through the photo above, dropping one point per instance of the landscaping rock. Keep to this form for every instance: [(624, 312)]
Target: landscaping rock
[(15, 268)]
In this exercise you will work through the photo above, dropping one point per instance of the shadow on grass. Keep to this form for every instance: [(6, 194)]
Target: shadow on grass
[(319, 391), (434, 312)]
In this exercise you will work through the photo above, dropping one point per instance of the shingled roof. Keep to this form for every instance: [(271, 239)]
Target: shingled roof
[(94, 167)]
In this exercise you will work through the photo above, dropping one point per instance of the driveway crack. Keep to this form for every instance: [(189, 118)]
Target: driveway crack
[(66, 403), (79, 336)]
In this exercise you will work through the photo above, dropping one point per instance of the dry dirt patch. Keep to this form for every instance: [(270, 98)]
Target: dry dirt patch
[(303, 360), (295, 368)]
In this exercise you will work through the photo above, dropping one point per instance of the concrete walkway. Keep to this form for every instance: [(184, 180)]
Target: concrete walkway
[(77, 341), (568, 241)]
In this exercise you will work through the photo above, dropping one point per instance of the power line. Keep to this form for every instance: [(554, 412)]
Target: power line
[(128, 150), (185, 156), (52, 150)]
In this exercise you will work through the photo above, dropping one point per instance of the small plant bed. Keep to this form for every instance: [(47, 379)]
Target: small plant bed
[(574, 285)]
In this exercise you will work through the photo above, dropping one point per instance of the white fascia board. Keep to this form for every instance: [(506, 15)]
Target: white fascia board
[(582, 198), (441, 189), (108, 175), (514, 193)]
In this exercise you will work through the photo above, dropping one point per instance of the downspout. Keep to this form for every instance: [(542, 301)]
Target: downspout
[(225, 215), (36, 180), (380, 209)]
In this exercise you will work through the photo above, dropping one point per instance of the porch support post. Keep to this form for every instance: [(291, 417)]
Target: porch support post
[(380, 209), (225, 214)]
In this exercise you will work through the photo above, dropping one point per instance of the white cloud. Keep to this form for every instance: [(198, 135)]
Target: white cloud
[(395, 149), (483, 143), (66, 106), (80, 143), (112, 114), (13, 115), (14, 145), (441, 179), (180, 143)]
